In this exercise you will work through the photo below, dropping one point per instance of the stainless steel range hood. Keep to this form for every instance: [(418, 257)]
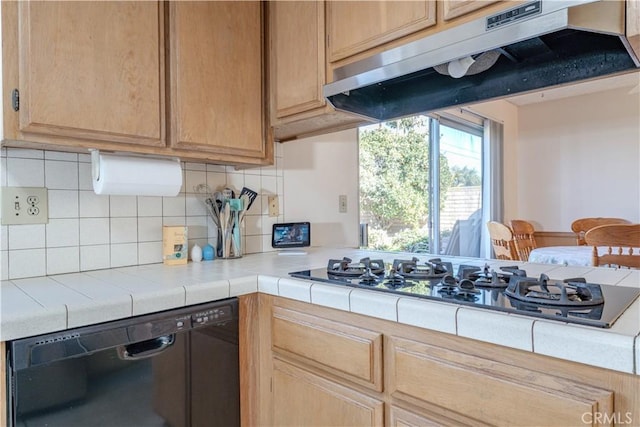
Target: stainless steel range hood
[(535, 45)]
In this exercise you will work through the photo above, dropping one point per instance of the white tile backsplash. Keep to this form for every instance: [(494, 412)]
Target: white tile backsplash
[(92, 232), (29, 236), (64, 203), (269, 185), (4, 244), (235, 181), (3, 171), (61, 175), (193, 178), (93, 205), (27, 263), (63, 260), (25, 153), (85, 180), (149, 252), (63, 232), (95, 257), (195, 206), (150, 229), (4, 265), (197, 227), (124, 230), (25, 172), (61, 155), (174, 206), (149, 206), (123, 206), (123, 254)]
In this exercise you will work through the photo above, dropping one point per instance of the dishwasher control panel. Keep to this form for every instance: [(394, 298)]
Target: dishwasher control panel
[(213, 315)]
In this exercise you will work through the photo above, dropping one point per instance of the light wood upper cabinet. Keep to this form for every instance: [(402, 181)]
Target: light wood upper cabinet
[(297, 64), (183, 79), (355, 27), (91, 70), (454, 8), (297, 53), (216, 61)]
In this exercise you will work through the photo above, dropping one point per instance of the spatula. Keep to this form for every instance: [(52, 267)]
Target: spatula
[(252, 196)]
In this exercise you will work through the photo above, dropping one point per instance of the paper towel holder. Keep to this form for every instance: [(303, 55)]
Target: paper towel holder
[(95, 160), (119, 183)]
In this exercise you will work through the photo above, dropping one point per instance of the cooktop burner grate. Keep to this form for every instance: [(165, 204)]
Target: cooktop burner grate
[(508, 289)]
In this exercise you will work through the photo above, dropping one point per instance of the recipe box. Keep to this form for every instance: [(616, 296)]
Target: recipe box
[(174, 245)]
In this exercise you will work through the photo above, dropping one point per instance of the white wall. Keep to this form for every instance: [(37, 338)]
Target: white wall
[(316, 170), (579, 157), (507, 114)]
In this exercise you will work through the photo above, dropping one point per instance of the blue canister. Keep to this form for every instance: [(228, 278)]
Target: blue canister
[(208, 253)]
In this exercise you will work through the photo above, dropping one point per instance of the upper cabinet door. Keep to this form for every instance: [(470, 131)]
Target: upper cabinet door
[(355, 26), (92, 71), (216, 86), (297, 56)]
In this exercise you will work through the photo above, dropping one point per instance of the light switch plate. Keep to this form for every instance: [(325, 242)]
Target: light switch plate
[(342, 203), (25, 205), (274, 209)]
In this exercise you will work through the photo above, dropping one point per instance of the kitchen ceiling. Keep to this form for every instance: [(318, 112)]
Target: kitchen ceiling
[(628, 80)]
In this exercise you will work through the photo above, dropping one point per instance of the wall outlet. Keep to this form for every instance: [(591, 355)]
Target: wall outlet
[(342, 203), (274, 208), (25, 205)]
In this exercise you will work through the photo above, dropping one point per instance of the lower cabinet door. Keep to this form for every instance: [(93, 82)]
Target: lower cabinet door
[(301, 398)]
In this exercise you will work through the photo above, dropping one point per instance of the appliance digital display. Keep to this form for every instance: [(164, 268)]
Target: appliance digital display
[(291, 235)]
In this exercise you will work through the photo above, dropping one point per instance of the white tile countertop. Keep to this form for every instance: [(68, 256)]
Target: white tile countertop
[(52, 303)]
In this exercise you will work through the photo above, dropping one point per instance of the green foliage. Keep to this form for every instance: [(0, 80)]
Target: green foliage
[(465, 177), (411, 241), (407, 240), (394, 172)]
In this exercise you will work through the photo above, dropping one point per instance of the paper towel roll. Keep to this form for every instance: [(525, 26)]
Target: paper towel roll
[(135, 176)]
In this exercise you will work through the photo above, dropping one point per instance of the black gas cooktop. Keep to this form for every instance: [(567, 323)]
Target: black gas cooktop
[(508, 289)]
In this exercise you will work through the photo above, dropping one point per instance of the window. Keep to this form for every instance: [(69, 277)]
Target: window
[(421, 185)]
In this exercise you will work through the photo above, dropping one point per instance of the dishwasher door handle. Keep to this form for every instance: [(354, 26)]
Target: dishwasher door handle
[(148, 348)]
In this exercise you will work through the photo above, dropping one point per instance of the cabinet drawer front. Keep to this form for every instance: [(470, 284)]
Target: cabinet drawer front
[(304, 399), (345, 351), (400, 417), (454, 8), (354, 27), (487, 390)]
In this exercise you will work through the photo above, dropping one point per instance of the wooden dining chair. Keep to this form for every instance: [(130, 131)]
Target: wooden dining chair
[(502, 240), (582, 225), (622, 243), (523, 238)]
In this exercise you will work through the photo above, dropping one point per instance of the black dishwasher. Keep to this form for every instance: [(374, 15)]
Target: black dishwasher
[(173, 368)]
